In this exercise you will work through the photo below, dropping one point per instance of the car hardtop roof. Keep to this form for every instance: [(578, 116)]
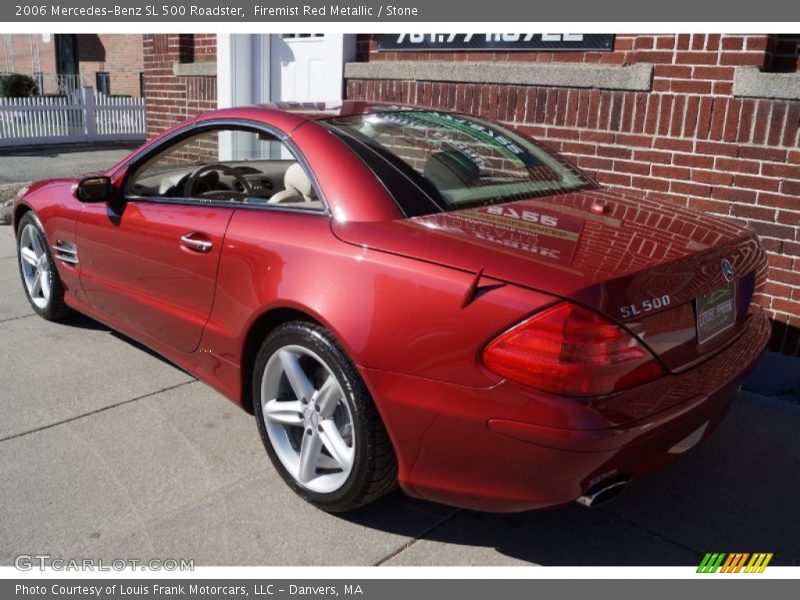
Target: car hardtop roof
[(291, 114), (341, 108)]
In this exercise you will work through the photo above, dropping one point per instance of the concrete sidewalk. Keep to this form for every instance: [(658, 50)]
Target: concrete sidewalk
[(107, 451)]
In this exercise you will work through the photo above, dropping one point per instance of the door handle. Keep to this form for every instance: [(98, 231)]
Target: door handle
[(197, 242)]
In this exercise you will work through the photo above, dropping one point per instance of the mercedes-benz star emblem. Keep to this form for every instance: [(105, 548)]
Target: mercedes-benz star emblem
[(727, 269)]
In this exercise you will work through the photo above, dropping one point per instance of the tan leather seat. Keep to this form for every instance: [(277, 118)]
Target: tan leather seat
[(297, 188)]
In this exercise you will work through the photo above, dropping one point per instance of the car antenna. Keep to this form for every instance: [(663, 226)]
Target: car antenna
[(475, 290), (469, 297)]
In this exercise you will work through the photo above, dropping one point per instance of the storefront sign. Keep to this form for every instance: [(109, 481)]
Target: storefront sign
[(540, 42)]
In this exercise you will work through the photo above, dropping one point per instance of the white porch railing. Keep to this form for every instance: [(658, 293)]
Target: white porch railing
[(80, 117)]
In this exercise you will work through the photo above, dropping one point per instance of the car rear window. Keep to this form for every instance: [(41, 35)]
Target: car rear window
[(434, 161)]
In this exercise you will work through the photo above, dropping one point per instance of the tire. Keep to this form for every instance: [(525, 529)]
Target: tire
[(310, 401), (38, 271)]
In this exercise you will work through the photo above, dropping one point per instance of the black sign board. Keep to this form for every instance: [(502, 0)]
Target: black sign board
[(540, 42)]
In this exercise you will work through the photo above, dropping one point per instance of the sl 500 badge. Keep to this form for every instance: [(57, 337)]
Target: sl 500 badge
[(631, 310)]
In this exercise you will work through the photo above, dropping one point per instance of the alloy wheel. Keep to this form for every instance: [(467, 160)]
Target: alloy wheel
[(308, 419), (35, 264)]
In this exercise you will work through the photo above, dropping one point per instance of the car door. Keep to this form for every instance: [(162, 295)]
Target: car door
[(149, 260), (153, 266)]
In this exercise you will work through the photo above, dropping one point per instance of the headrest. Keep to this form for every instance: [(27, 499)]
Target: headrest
[(296, 179)]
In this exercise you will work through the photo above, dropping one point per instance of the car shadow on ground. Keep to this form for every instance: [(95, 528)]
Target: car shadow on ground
[(735, 493), (83, 322)]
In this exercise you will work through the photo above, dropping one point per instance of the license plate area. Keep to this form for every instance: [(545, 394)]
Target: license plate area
[(716, 312)]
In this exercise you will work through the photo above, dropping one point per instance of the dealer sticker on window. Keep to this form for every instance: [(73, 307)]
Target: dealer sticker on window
[(715, 312)]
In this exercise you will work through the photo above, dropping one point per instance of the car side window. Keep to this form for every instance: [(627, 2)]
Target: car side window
[(226, 165)]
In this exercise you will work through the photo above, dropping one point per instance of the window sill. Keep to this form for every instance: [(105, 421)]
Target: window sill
[(750, 82), (636, 77), (195, 69)]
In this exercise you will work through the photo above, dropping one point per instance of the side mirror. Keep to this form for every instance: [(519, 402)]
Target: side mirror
[(95, 188)]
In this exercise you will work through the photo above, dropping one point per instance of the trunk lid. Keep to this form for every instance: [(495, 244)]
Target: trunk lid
[(641, 262)]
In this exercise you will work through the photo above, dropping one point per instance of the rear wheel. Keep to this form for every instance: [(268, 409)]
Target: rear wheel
[(318, 422), (40, 279)]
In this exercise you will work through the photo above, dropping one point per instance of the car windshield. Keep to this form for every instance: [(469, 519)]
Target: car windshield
[(454, 160)]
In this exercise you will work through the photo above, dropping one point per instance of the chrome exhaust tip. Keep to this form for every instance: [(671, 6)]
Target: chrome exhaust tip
[(603, 492)]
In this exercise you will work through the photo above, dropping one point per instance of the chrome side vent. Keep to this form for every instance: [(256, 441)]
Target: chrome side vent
[(66, 252)]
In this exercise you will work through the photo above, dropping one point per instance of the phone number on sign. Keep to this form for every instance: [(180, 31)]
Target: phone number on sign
[(466, 38)]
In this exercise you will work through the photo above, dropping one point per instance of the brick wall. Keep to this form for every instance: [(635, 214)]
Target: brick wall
[(172, 98), (17, 53), (205, 47), (121, 55), (118, 54), (688, 140)]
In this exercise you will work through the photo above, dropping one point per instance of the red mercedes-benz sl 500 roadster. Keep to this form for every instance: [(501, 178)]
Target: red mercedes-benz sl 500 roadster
[(410, 296)]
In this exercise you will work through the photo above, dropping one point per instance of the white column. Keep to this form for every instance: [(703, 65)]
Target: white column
[(242, 77), (224, 71), (261, 68)]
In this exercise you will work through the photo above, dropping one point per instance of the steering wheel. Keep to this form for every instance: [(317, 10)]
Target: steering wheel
[(195, 178)]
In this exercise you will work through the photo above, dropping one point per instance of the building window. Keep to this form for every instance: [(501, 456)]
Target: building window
[(783, 52), (102, 82)]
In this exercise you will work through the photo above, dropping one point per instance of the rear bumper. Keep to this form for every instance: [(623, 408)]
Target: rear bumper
[(509, 448)]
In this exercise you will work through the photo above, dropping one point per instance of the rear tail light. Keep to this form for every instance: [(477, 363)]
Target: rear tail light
[(570, 350)]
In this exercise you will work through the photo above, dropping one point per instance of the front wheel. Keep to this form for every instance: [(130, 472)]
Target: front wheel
[(40, 279), (317, 421)]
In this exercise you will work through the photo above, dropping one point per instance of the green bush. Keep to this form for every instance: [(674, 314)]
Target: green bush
[(17, 85)]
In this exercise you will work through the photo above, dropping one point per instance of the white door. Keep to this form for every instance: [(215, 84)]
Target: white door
[(308, 67), (260, 68)]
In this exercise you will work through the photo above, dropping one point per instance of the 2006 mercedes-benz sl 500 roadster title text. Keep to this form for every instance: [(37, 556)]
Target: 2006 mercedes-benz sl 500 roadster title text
[(410, 296)]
